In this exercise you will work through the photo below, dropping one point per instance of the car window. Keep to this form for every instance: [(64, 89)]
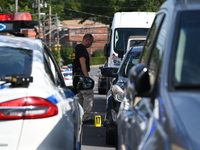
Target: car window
[(150, 38), (50, 68), (131, 60), (187, 61), (15, 61), (157, 51)]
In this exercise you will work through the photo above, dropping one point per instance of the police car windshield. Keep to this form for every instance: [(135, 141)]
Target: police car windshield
[(187, 60), (15, 61)]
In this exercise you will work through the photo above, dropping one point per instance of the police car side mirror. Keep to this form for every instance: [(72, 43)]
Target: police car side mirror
[(83, 82)]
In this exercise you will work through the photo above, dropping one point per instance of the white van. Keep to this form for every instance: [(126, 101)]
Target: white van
[(124, 25)]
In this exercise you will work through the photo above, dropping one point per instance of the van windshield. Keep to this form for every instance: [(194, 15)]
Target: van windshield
[(121, 36)]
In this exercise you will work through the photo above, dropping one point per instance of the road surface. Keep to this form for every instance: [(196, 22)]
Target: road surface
[(94, 137)]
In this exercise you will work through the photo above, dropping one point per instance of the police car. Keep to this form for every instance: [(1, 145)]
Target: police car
[(67, 76), (37, 110)]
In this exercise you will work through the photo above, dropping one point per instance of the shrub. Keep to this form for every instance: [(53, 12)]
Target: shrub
[(65, 53), (98, 53), (97, 60)]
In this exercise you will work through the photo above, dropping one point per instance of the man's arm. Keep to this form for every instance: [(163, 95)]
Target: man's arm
[(83, 66)]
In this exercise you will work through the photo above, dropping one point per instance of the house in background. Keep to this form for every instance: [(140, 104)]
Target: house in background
[(74, 32)]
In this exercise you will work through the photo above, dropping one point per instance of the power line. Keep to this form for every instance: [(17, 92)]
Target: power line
[(103, 6), (88, 13)]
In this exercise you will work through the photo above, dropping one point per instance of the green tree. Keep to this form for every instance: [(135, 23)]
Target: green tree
[(97, 10), (98, 53), (56, 54), (65, 53), (103, 10)]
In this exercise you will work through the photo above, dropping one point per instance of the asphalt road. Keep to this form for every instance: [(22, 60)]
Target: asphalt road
[(94, 137)]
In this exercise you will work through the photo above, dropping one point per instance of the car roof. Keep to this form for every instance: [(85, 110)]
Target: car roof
[(67, 71), (20, 42), (136, 49)]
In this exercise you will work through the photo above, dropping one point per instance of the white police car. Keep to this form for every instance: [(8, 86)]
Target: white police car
[(67, 76), (37, 110)]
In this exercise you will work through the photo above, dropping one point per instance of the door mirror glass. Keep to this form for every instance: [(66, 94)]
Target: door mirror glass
[(83, 83)]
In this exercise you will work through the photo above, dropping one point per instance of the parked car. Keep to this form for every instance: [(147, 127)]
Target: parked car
[(135, 41), (161, 106), (63, 68), (115, 94), (37, 110), (102, 80), (69, 66), (67, 76)]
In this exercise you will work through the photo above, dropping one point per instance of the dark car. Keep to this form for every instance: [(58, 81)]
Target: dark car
[(102, 80), (161, 107), (115, 94)]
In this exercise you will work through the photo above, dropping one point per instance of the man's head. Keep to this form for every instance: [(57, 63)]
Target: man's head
[(87, 41)]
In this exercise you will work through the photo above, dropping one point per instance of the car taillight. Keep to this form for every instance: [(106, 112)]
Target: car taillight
[(27, 108)]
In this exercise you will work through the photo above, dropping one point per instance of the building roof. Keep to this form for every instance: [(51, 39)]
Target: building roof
[(77, 24)]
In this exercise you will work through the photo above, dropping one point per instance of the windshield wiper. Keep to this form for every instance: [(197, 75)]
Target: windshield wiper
[(17, 80)]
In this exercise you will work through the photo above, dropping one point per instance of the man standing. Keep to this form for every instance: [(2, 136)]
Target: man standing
[(81, 66)]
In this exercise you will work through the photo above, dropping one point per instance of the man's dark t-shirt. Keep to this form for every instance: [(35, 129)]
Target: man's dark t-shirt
[(78, 52)]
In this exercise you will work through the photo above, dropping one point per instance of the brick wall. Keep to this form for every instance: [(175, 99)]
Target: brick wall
[(100, 37), (74, 36)]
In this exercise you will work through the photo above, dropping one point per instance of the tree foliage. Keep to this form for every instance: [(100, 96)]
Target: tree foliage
[(97, 10), (65, 52)]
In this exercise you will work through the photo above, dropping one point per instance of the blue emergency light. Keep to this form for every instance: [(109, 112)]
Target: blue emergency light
[(9, 26), (2, 26), (15, 26)]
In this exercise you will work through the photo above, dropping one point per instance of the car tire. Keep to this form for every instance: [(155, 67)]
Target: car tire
[(110, 139)]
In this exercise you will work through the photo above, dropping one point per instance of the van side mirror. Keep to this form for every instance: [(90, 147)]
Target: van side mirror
[(139, 77), (107, 49)]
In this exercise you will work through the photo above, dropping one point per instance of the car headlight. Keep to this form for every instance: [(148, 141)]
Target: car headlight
[(118, 93)]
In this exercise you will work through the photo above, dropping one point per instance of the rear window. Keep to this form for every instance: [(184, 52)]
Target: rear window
[(15, 61), (187, 61)]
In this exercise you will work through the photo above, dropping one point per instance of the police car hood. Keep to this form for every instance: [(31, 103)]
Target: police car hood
[(187, 104)]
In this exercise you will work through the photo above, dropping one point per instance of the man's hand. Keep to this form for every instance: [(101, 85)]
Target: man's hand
[(83, 66)]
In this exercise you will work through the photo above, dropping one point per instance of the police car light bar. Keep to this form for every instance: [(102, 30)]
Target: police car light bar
[(15, 26)]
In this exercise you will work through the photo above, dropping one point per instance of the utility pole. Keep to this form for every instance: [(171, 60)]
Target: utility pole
[(57, 26), (50, 27), (38, 17), (16, 5)]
